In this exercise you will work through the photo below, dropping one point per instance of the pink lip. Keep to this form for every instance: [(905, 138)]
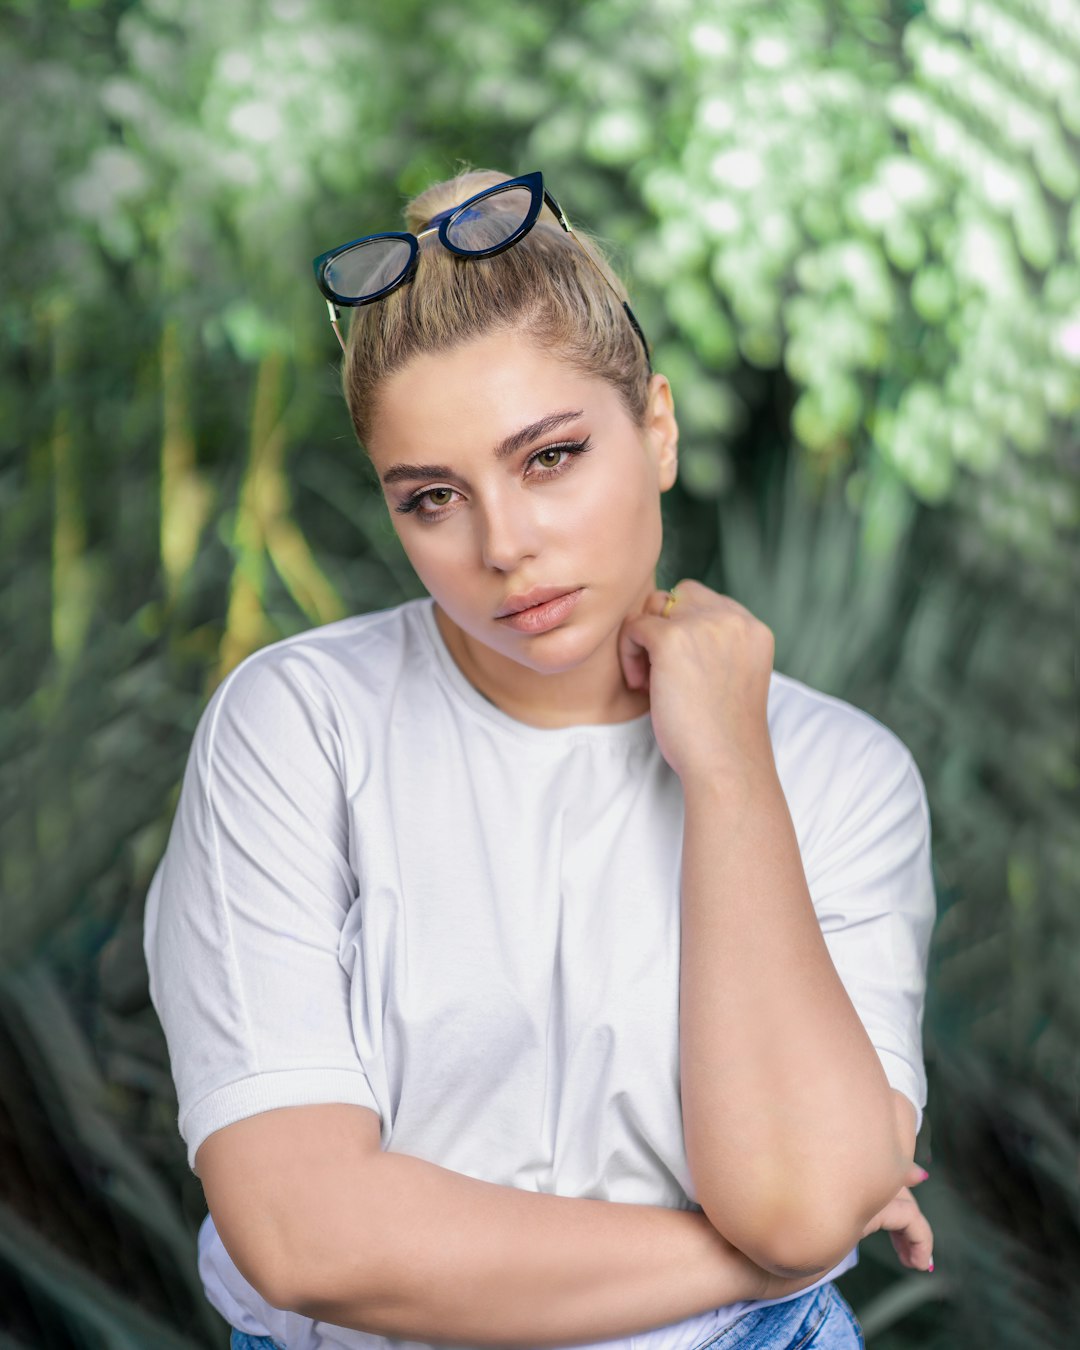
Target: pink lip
[(539, 595), (539, 618)]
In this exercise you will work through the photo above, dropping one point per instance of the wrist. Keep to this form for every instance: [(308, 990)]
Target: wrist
[(730, 1275), (729, 781)]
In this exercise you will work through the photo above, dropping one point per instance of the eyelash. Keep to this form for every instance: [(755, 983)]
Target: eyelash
[(570, 448)]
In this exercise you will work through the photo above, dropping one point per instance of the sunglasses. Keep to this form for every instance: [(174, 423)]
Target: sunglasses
[(368, 269)]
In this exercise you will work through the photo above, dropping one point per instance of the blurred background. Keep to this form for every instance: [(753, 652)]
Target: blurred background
[(851, 230)]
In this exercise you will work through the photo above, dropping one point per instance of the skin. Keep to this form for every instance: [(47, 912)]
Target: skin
[(506, 527), (499, 526)]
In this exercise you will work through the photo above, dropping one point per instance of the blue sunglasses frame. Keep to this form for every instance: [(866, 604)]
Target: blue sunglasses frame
[(441, 224)]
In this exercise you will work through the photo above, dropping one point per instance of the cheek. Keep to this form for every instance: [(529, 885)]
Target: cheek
[(438, 568), (617, 508), (432, 561)]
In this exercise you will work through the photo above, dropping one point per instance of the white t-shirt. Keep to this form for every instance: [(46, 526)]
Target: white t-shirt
[(380, 888)]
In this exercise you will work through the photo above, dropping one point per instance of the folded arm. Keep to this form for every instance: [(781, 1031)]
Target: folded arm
[(795, 1138), (322, 1222)]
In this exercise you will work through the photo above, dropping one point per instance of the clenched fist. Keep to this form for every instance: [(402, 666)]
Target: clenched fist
[(707, 668)]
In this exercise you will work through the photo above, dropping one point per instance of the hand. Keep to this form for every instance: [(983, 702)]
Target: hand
[(912, 1237), (707, 668)]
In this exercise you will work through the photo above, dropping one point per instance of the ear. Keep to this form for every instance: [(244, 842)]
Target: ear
[(662, 430)]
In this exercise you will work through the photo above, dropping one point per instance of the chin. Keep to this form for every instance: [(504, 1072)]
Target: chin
[(556, 652)]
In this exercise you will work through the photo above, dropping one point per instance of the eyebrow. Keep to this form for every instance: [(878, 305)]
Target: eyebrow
[(509, 446)]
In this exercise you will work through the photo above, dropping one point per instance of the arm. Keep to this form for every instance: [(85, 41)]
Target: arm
[(322, 1221), (791, 1126), (474, 1264), (437, 1256), (464, 1262)]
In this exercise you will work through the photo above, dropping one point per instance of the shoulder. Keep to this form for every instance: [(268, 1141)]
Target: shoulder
[(836, 761), (805, 723), (315, 686), (364, 648)]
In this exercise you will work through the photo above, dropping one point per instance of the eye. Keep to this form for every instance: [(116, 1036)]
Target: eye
[(434, 498), (431, 504), (571, 449)]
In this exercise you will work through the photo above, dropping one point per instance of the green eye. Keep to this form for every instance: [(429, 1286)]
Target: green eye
[(435, 492), (551, 464)]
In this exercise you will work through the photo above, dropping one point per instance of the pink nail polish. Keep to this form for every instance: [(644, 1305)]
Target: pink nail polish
[(925, 1173), (930, 1267)]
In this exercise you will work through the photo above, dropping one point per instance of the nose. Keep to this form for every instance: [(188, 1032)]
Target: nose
[(509, 531)]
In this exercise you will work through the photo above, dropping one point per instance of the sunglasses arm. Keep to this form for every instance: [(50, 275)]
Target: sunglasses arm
[(625, 303), (335, 315)]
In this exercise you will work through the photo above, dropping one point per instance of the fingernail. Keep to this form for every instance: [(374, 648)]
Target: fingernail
[(930, 1267), (925, 1173)]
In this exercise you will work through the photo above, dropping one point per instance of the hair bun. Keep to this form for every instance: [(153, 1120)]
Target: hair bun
[(442, 196)]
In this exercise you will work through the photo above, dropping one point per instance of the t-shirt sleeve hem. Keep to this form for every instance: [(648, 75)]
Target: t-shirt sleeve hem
[(902, 1077), (265, 1091)]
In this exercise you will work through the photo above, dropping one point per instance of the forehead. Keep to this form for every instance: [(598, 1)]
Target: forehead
[(477, 393)]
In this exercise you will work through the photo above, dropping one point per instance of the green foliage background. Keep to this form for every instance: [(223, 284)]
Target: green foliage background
[(851, 230)]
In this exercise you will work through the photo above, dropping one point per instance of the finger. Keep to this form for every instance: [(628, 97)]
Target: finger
[(636, 636), (633, 649), (635, 665), (908, 1229), (895, 1215), (688, 594), (654, 605), (690, 589), (914, 1244), (915, 1175)]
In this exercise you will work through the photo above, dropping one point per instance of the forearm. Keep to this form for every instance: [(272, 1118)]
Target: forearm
[(424, 1253), (788, 1117)]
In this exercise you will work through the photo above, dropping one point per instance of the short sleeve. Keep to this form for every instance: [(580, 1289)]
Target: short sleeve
[(871, 881), (245, 912)]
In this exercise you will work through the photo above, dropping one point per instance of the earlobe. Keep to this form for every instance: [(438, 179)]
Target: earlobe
[(669, 471)]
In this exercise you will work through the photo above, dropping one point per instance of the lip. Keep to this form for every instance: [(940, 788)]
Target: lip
[(539, 595), (541, 618)]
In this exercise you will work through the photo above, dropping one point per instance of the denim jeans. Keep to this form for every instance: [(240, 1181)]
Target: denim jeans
[(820, 1319)]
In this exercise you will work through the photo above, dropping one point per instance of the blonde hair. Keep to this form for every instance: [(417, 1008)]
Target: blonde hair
[(543, 287)]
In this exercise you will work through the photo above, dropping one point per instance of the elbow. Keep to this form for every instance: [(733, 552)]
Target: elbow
[(358, 1293), (798, 1254), (317, 1290), (794, 1254), (284, 1294), (796, 1236), (289, 1288), (327, 1299), (790, 1244)]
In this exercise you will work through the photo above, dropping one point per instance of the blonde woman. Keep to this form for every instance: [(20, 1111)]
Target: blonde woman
[(539, 966)]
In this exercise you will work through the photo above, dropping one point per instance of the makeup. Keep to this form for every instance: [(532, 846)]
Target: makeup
[(542, 618)]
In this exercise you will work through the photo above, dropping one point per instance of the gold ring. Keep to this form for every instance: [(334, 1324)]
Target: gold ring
[(668, 604)]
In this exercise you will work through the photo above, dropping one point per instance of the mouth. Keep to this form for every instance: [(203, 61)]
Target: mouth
[(539, 595), (542, 618)]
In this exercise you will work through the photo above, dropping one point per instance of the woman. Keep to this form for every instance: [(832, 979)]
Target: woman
[(544, 891)]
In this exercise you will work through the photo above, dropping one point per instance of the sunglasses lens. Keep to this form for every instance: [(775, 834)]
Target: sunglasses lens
[(490, 222), (368, 268)]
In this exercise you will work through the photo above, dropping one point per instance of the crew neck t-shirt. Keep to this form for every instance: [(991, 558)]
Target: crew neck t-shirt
[(379, 888)]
